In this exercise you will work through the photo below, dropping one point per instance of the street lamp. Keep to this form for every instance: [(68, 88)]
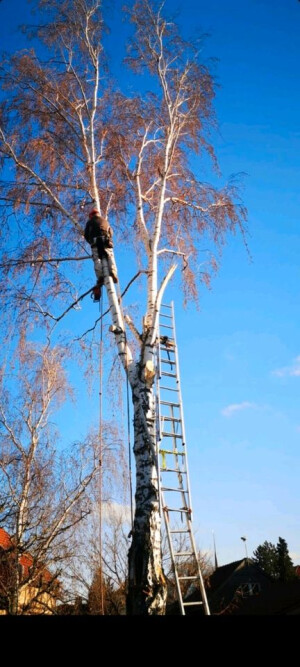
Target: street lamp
[(245, 540)]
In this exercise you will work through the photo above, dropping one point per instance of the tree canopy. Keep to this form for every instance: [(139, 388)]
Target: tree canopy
[(72, 138), (275, 560)]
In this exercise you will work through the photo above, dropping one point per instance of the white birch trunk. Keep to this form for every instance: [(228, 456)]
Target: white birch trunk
[(146, 581)]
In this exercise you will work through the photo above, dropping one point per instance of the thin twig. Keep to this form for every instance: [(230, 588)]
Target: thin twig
[(57, 319)]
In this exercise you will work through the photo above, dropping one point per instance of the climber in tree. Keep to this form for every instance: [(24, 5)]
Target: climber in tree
[(98, 234)]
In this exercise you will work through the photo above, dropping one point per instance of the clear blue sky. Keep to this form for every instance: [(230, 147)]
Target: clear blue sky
[(240, 355)]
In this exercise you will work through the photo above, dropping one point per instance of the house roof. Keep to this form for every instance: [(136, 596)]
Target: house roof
[(26, 559), (222, 573), (229, 585), (5, 539), (277, 599), (272, 598)]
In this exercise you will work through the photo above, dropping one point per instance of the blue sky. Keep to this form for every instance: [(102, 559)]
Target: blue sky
[(239, 355)]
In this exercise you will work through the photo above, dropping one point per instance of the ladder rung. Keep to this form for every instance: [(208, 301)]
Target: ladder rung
[(191, 604), (179, 472), (174, 405), (168, 361), (179, 531), (163, 315), (169, 388), (194, 577), (171, 451), (184, 553), (169, 375), (173, 435), (173, 509), (165, 326), (165, 305), (168, 419), (169, 488)]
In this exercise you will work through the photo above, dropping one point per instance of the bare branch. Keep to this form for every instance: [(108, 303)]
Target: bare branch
[(43, 260), (160, 293), (72, 305), (44, 185), (172, 252), (184, 202), (133, 328)]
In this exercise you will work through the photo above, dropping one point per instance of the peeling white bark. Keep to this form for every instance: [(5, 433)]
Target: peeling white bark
[(147, 586), (147, 589)]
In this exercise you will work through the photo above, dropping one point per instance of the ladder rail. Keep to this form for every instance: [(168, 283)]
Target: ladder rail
[(202, 587), (181, 407), (177, 581), (158, 428), (182, 490), (175, 447)]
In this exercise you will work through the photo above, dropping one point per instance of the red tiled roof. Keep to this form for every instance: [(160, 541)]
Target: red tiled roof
[(47, 576), (5, 540), (26, 560)]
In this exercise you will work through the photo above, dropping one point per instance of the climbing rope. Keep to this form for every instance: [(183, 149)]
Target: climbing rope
[(100, 452), (128, 420), (129, 452), (100, 431)]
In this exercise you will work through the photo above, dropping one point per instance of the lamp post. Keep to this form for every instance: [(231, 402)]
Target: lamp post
[(245, 540)]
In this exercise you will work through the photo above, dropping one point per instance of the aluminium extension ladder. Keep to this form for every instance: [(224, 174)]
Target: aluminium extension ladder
[(174, 491)]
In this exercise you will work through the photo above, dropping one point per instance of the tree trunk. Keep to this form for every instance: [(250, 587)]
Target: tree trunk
[(146, 581), (147, 589)]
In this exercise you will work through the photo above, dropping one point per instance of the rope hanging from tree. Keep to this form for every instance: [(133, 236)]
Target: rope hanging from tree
[(100, 453), (129, 452), (128, 422), (101, 431)]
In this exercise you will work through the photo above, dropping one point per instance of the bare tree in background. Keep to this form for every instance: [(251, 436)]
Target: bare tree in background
[(70, 138), (43, 493), (96, 572)]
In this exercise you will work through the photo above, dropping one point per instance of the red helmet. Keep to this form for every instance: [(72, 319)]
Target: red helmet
[(93, 212)]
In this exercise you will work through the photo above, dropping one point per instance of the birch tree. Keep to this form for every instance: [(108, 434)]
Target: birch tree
[(43, 492), (70, 138)]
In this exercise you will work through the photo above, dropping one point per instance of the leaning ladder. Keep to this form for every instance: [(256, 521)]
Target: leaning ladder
[(174, 487)]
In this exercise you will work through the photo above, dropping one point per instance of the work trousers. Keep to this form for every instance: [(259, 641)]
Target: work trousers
[(108, 254)]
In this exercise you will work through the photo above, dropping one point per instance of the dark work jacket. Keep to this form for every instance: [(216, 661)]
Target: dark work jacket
[(98, 233)]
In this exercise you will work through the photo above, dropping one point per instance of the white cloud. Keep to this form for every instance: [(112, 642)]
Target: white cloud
[(236, 407), (116, 511), (289, 371), (295, 556)]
